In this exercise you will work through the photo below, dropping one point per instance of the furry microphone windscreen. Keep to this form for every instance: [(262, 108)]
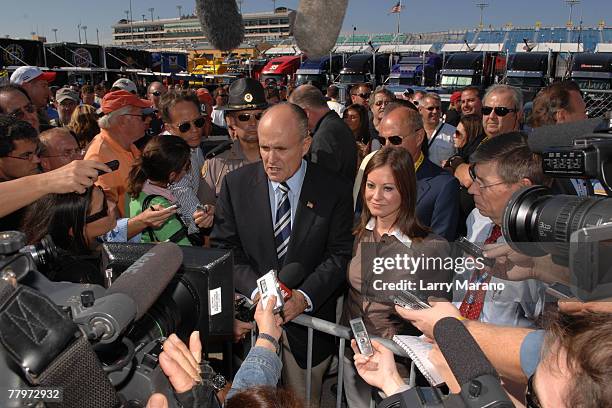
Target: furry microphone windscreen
[(317, 25), (221, 22)]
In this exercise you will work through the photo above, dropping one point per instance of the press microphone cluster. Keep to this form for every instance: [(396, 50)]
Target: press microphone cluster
[(221, 22), (317, 25)]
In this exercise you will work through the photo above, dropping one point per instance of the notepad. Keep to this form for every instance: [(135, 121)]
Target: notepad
[(418, 350)]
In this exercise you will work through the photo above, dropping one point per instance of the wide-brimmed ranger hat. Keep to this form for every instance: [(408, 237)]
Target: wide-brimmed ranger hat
[(245, 94)]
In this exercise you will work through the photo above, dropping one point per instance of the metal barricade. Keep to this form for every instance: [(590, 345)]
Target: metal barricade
[(597, 102), (343, 334)]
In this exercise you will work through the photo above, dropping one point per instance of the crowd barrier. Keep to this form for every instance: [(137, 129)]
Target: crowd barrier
[(597, 102)]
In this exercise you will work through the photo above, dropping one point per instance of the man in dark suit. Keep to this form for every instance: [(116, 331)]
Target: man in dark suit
[(333, 143), (283, 198), (438, 190)]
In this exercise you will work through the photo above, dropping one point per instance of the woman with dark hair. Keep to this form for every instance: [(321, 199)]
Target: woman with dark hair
[(468, 136), (164, 160), (265, 396), (356, 118), (74, 221), (84, 124), (388, 229)]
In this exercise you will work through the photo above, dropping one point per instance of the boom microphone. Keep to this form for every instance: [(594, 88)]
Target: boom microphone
[(147, 278), (546, 138), (317, 25), (221, 22)]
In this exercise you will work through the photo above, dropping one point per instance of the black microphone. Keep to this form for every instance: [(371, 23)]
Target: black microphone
[(221, 22), (289, 277), (546, 138), (317, 25), (480, 384)]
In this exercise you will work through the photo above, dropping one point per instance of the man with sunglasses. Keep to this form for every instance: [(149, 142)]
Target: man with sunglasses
[(380, 98), (247, 101), (437, 205), (439, 145), (502, 110), (360, 94), (58, 148), (333, 144), (15, 102), (123, 123)]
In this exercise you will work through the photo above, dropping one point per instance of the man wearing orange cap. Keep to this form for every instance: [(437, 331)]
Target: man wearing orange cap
[(123, 123)]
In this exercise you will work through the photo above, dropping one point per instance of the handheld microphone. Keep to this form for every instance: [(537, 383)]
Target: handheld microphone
[(289, 277), (546, 138), (221, 22), (317, 25), (480, 384), (132, 294)]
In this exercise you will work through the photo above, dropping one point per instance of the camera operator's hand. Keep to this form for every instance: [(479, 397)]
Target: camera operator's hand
[(180, 364), (74, 177), (241, 329), (438, 360), (204, 219), (426, 319), (267, 321), (379, 369)]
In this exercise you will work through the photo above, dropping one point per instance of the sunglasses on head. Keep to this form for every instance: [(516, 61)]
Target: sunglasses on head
[(394, 140), (499, 110), (245, 117), (100, 214), (186, 126)]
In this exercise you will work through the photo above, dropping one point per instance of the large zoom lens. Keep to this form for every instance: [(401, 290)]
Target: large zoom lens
[(537, 222)]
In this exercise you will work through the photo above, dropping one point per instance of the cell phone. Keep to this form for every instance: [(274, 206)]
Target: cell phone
[(268, 286), (409, 300), (204, 207), (560, 291), (174, 206), (474, 250), (113, 164), (361, 337)]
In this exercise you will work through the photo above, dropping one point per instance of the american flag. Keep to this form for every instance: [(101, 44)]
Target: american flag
[(397, 8)]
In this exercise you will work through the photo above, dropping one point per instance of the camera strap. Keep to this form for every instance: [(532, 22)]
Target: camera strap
[(39, 337)]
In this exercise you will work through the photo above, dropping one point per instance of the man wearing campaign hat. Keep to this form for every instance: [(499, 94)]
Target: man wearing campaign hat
[(66, 101), (36, 83), (245, 105), (125, 120)]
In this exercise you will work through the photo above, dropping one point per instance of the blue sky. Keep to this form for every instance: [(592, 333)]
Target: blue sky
[(367, 15)]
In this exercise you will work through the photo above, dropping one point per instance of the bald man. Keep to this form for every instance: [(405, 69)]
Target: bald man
[(285, 210), (59, 147)]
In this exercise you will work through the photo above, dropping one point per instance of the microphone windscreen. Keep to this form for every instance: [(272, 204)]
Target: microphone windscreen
[(463, 355), (317, 25), (221, 22), (292, 274), (147, 278), (548, 137)]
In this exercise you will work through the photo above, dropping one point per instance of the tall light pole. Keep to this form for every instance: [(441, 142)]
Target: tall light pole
[(127, 15), (273, 6), (179, 8), (54, 33), (482, 6), (98, 35), (85, 32), (151, 10), (571, 4), (143, 17), (79, 31)]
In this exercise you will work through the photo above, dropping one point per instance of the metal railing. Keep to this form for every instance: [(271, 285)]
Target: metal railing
[(343, 334), (597, 102)]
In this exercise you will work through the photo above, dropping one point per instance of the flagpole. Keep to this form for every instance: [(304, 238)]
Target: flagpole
[(399, 14)]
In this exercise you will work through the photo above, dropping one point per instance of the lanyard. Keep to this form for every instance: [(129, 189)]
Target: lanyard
[(419, 161)]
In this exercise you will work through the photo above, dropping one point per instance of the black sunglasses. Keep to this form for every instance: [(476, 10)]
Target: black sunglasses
[(245, 117), (363, 95), (499, 110), (20, 113), (198, 123), (156, 93), (100, 214), (394, 140), (531, 398)]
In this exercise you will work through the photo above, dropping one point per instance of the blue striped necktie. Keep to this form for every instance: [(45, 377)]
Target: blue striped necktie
[(282, 227)]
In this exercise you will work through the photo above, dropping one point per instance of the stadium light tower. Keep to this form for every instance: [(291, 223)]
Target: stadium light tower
[(179, 8), (571, 4), (54, 33), (482, 6), (151, 10)]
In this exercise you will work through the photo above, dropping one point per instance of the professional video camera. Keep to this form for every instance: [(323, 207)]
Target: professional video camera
[(47, 329), (573, 229)]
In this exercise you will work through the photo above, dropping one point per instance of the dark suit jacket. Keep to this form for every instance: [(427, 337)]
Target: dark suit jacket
[(334, 147), (321, 241), (437, 200)]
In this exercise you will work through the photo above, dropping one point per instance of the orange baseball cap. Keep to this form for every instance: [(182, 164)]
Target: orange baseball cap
[(119, 99)]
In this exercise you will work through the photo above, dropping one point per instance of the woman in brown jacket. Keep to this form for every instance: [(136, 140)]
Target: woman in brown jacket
[(391, 247)]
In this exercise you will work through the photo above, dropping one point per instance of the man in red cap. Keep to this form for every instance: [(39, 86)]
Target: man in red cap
[(123, 123), (453, 114)]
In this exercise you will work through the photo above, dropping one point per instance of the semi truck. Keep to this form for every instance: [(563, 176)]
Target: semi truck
[(415, 70), (471, 68), (320, 71), (532, 71), (281, 69), (593, 73), (362, 68)]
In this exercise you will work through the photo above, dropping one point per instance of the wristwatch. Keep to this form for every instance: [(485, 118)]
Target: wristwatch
[(210, 377), (271, 339)]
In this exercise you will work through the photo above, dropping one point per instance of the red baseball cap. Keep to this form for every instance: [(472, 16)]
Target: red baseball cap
[(204, 96), (455, 96), (119, 99)]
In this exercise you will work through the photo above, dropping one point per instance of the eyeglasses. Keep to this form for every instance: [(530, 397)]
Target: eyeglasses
[(20, 113), (382, 103), (363, 95), (473, 176), (432, 108), (245, 117), (100, 214), (156, 93), (142, 116), (186, 126), (531, 398), (499, 110), (27, 155), (75, 153), (394, 140)]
